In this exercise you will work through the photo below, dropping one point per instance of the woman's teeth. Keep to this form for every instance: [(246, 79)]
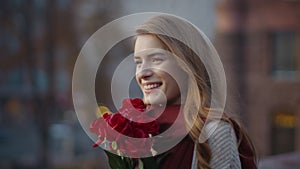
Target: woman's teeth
[(151, 86)]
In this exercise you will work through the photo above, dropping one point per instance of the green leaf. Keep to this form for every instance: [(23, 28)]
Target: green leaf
[(154, 162), (131, 163), (120, 162), (114, 145), (115, 161), (141, 165), (150, 163)]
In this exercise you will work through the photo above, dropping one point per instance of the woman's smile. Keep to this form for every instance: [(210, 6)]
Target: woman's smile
[(149, 86)]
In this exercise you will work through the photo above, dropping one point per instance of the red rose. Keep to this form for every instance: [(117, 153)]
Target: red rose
[(138, 104), (131, 108), (135, 147), (94, 128), (148, 128), (129, 122), (142, 145), (119, 123), (148, 124), (101, 128), (96, 124)]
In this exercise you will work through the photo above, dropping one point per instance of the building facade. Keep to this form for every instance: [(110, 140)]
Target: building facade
[(259, 44)]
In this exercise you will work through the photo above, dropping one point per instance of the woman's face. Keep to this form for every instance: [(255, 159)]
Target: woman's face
[(153, 62)]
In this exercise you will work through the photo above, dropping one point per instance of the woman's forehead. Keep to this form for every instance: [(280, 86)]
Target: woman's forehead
[(148, 41)]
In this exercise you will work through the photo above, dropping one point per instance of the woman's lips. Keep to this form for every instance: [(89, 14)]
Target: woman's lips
[(148, 87)]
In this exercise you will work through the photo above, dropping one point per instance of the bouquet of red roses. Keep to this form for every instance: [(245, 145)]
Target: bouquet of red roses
[(114, 129)]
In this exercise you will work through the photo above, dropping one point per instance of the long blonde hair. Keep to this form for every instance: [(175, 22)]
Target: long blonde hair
[(165, 28)]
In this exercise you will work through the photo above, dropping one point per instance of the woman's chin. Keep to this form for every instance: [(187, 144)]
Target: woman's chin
[(155, 100)]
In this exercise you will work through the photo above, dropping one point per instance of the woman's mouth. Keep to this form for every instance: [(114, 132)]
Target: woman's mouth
[(150, 86)]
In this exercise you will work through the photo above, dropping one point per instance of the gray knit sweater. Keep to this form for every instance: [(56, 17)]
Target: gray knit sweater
[(223, 144)]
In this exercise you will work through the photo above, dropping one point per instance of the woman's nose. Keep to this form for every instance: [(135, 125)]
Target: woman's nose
[(145, 73)]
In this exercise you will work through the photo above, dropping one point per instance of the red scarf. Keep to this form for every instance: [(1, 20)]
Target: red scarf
[(181, 156)]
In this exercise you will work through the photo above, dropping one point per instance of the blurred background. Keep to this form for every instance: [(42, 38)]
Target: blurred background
[(258, 42)]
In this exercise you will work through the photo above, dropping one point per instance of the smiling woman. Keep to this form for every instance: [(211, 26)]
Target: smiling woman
[(170, 72), (180, 123)]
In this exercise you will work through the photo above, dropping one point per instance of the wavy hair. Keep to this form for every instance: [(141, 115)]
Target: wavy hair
[(180, 37)]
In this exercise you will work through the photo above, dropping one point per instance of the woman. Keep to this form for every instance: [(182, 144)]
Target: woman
[(169, 72)]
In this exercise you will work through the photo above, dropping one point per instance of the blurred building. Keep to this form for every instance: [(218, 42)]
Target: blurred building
[(259, 42), (39, 44)]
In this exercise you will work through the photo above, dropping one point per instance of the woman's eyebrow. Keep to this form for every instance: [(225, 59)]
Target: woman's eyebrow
[(150, 53), (136, 57)]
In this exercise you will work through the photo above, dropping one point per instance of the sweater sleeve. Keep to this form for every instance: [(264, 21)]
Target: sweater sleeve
[(223, 144)]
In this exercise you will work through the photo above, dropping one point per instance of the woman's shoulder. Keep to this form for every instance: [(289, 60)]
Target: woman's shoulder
[(223, 143), (214, 127)]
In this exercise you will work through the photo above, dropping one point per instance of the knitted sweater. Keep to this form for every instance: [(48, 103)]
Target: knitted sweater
[(223, 145)]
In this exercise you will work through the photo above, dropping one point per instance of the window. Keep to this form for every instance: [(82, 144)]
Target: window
[(284, 53), (283, 132)]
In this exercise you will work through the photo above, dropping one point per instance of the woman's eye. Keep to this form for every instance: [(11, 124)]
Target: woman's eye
[(137, 62), (157, 60)]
